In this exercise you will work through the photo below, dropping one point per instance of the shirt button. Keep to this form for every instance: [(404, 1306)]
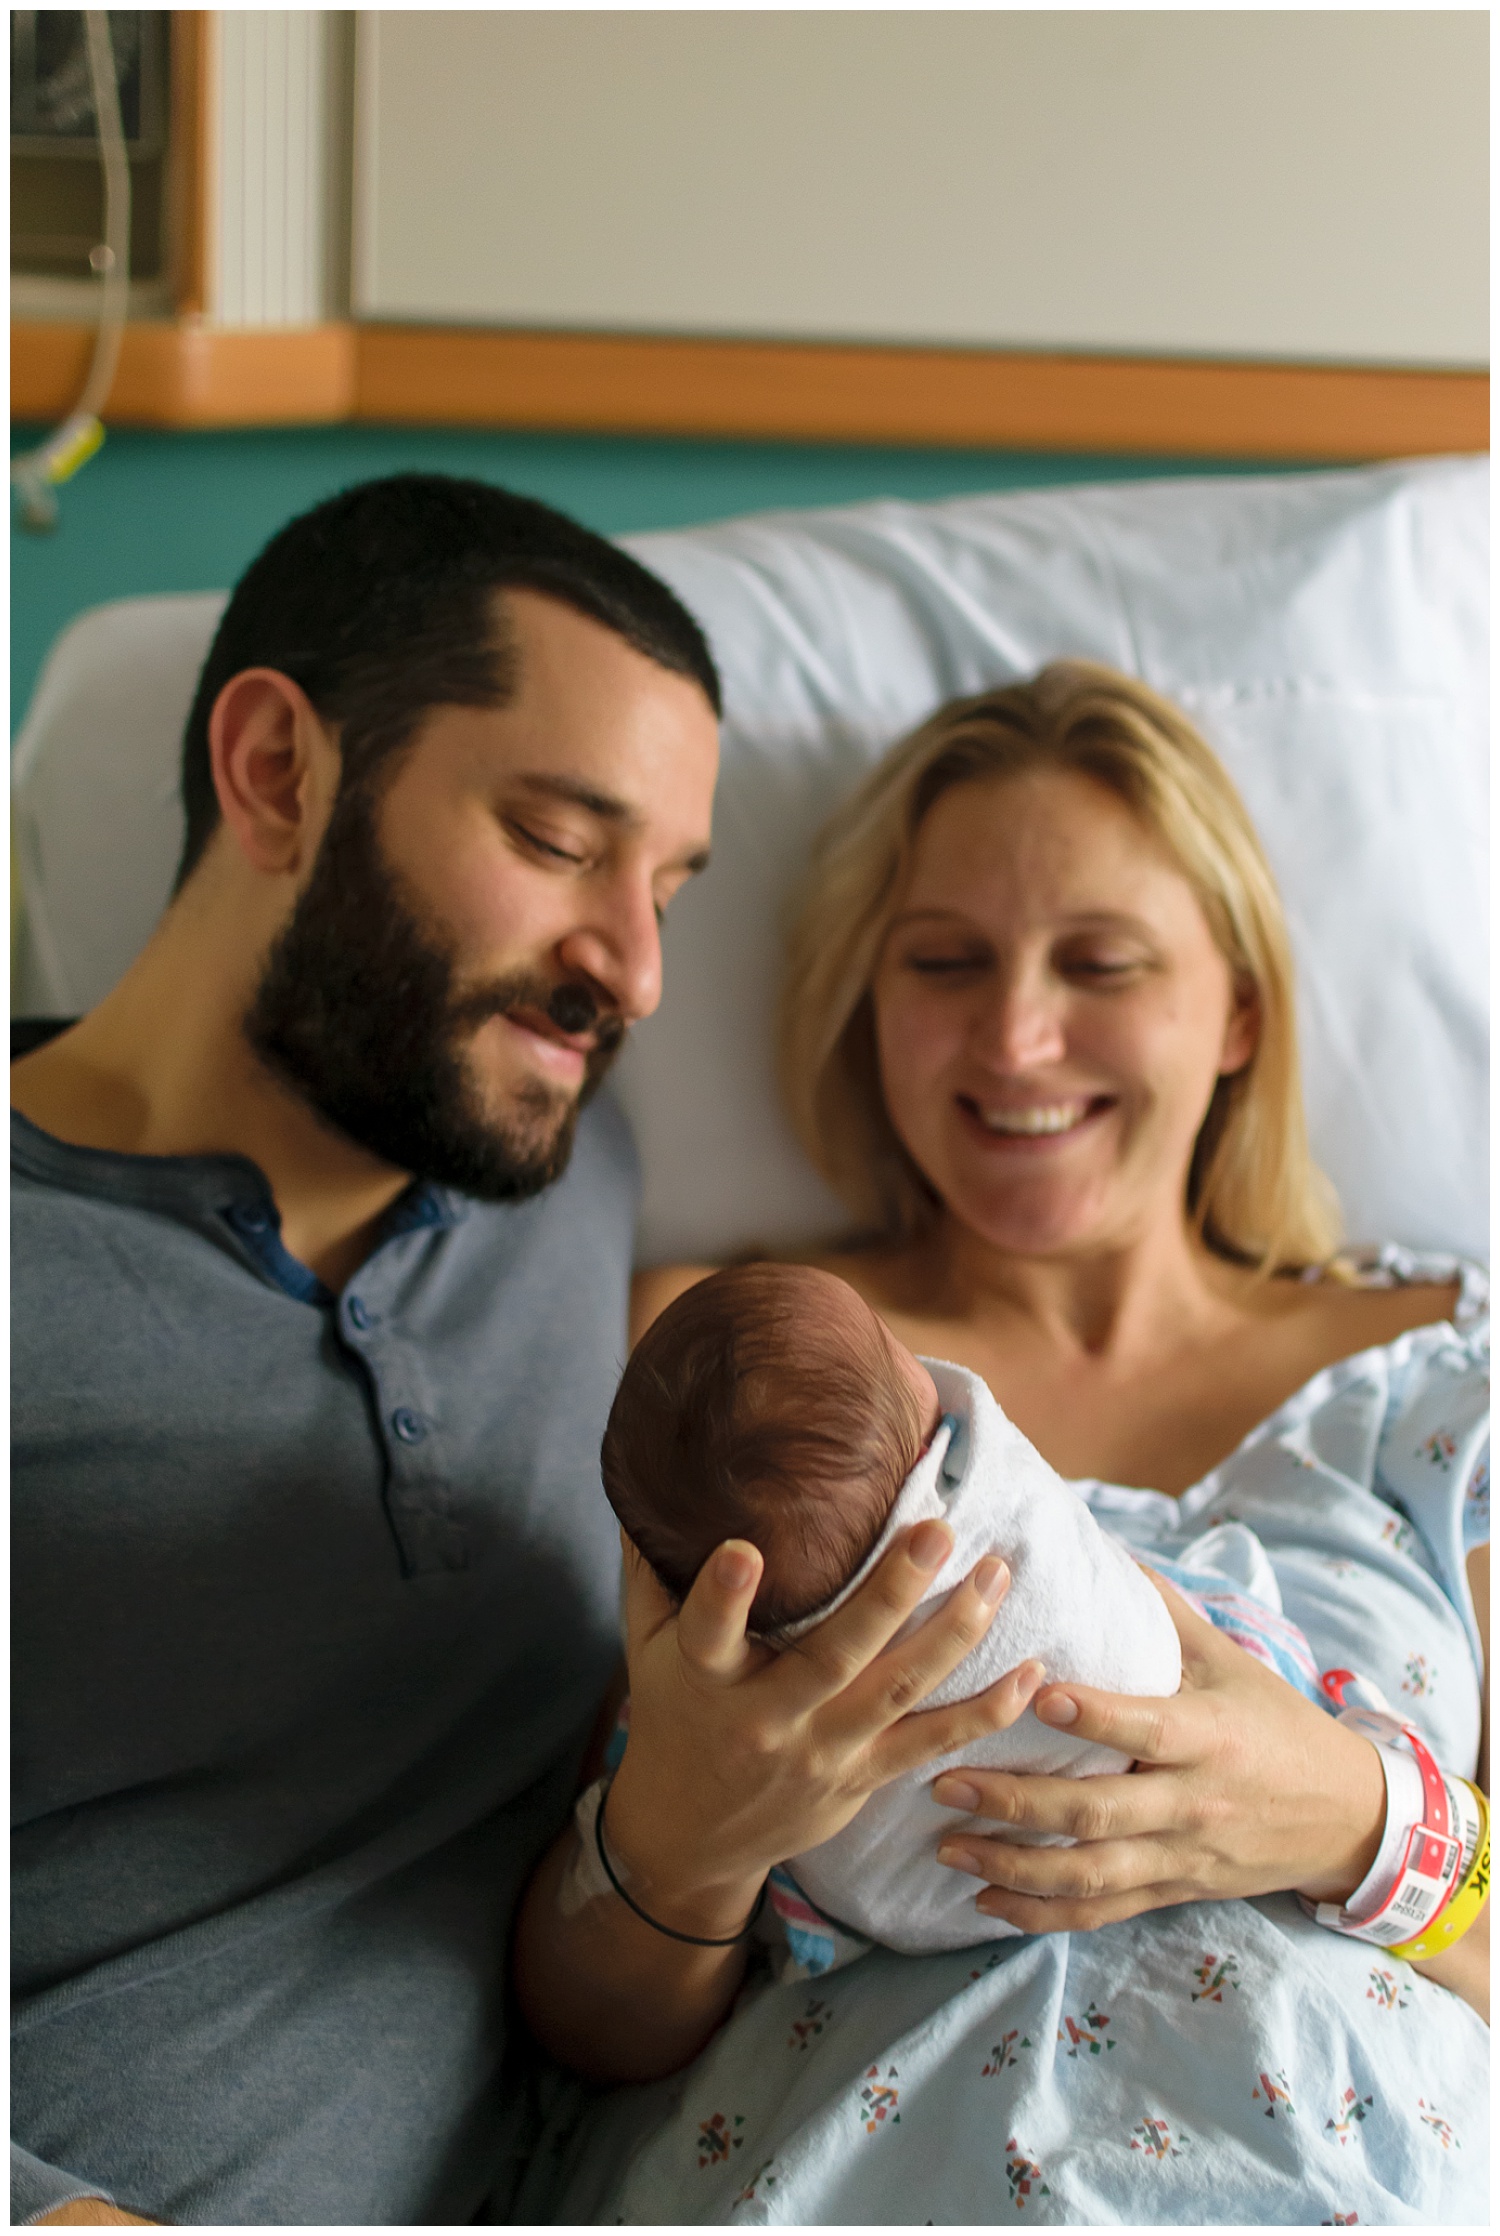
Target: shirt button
[(360, 1315), (409, 1426)]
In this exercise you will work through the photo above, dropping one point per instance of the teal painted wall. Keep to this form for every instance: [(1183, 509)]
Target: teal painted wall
[(156, 512)]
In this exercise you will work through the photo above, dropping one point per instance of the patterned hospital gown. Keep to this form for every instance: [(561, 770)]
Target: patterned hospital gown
[(1217, 2062)]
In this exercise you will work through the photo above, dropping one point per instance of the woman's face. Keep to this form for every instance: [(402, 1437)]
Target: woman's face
[(1052, 1015)]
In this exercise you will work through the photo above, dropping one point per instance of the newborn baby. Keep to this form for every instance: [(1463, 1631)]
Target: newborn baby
[(770, 1403)]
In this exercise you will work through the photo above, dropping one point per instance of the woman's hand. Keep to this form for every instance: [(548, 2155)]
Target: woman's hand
[(1240, 1786), (739, 1756)]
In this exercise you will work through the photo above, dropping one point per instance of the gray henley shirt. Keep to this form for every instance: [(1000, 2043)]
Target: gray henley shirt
[(314, 1600)]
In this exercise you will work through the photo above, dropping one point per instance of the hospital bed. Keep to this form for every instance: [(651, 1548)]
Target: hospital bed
[(1327, 631)]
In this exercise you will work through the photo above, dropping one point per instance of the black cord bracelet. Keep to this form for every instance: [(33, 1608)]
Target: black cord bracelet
[(696, 1940)]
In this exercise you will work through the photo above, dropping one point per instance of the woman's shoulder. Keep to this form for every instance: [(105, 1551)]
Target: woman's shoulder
[(1422, 1278), (653, 1288), (1399, 1315), (1377, 1294), (1408, 1328)]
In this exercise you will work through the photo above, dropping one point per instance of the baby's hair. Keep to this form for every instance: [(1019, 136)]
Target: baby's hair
[(758, 1407)]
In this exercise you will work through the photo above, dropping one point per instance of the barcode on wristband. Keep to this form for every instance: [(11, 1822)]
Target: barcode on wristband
[(1412, 1903), (1426, 1877)]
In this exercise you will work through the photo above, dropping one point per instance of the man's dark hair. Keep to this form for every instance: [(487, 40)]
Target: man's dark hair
[(380, 603), (756, 1408)]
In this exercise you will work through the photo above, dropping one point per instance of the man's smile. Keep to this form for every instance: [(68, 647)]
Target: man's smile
[(562, 1056)]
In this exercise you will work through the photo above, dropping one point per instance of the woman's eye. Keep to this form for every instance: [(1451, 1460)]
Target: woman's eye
[(942, 966), (1102, 969)]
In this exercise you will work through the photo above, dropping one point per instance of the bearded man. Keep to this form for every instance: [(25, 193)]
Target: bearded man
[(321, 1250)]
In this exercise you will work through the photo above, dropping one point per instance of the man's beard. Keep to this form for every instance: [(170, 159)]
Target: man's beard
[(359, 1010)]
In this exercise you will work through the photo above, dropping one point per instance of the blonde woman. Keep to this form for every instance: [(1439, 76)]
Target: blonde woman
[(1039, 1033)]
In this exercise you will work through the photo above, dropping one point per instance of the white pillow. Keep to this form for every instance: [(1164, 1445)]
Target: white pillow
[(1328, 632), (97, 816)]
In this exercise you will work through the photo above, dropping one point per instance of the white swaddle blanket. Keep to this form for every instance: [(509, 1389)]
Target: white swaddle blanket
[(1077, 1602)]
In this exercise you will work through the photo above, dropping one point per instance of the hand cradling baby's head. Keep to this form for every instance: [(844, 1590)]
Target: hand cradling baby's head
[(767, 1403)]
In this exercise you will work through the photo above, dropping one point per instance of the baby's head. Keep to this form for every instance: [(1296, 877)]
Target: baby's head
[(767, 1403)]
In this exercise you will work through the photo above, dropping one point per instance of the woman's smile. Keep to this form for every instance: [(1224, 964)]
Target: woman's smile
[(1036, 1125)]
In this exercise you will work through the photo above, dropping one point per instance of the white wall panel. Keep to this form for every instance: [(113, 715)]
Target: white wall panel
[(1294, 183), (274, 135)]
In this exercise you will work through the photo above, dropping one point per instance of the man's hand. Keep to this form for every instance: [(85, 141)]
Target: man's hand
[(739, 1756), (92, 2212)]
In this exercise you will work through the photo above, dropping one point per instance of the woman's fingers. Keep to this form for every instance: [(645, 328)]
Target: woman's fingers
[(1148, 1730), (1087, 1874), (1177, 1730), (711, 1624), (1203, 1647), (1107, 1807)]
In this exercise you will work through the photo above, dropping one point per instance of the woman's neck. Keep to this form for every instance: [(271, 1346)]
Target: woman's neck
[(1120, 1304)]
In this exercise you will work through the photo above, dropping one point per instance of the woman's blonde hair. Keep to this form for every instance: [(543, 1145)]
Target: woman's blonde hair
[(1253, 1191)]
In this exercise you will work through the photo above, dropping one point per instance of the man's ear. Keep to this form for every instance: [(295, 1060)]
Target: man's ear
[(1242, 1033), (275, 769)]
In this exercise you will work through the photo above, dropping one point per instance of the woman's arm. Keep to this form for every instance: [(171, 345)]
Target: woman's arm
[(737, 1758), (1241, 1787), (1465, 1968)]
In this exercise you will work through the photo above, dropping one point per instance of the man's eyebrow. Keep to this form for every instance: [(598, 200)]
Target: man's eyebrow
[(578, 794), (603, 804)]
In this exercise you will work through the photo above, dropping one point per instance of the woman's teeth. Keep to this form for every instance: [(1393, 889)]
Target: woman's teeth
[(1045, 1118)]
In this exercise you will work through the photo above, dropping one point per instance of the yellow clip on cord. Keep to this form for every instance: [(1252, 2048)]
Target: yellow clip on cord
[(38, 472), (73, 446), (1463, 1906)]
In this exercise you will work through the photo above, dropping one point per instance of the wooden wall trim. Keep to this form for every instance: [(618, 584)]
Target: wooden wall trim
[(965, 398), (179, 374), (186, 374)]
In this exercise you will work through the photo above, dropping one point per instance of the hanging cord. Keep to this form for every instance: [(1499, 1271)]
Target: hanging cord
[(37, 474)]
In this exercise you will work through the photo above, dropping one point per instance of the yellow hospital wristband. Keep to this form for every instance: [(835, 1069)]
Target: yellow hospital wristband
[(1463, 1906)]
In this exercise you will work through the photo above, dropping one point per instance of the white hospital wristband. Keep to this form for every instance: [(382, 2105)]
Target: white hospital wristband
[(584, 1880), (1403, 1809)]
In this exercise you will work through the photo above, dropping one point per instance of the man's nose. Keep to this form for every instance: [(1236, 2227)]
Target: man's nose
[(619, 948), (1022, 1025)]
